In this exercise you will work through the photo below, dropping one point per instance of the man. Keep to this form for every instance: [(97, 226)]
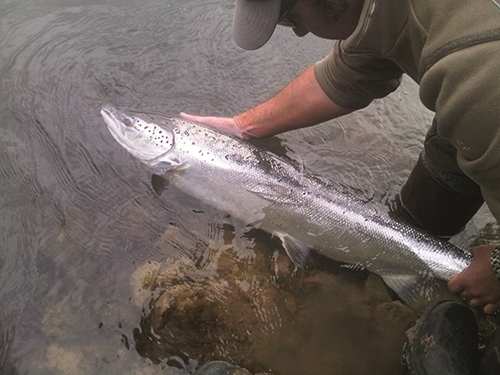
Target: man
[(451, 49)]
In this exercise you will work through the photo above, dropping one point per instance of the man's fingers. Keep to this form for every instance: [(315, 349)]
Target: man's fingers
[(226, 125), (475, 302), (492, 308), (489, 304), (187, 116), (455, 284), (207, 120)]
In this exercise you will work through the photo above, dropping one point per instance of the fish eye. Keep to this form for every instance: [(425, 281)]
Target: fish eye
[(127, 122)]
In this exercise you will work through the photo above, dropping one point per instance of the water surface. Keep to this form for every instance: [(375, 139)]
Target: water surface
[(79, 221)]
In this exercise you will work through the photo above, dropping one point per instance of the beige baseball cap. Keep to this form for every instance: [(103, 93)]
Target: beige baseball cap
[(254, 22)]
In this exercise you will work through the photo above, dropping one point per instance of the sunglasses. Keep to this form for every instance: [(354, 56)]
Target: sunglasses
[(286, 7)]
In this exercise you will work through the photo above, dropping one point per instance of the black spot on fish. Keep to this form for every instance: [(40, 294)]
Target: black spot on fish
[(125, 341)]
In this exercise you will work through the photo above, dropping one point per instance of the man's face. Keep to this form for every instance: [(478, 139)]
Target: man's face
[(329, 19)]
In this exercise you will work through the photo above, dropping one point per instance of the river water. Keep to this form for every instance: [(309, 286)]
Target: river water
[(80, 224)]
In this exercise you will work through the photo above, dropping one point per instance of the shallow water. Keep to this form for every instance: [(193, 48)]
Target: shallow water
[(78, 217)]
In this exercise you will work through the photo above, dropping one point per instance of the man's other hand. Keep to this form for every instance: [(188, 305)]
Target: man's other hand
[(477, 284)]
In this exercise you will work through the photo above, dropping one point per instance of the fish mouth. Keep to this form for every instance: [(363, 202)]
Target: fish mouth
[(106, 113), (109, 117), (119, 129), (118, 125), (108, 110)]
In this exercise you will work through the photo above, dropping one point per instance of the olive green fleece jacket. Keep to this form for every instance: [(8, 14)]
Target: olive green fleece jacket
[(451, 48)]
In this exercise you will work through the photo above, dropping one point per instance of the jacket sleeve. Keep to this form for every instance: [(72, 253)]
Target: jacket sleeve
[(463, 89), (353, 81)]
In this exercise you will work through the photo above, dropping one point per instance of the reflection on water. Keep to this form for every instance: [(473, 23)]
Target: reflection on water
[(79, 221)]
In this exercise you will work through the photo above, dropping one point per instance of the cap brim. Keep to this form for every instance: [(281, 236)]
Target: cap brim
[(254, 22)]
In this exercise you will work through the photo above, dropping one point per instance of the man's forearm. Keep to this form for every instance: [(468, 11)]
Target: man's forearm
[(300, 104)]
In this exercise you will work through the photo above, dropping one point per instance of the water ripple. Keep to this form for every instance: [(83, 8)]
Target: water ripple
[(77, 212)]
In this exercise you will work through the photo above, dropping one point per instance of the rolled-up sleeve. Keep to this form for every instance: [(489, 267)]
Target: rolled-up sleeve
[(353, 81)]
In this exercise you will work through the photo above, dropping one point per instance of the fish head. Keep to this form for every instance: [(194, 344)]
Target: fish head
[(141, 135)]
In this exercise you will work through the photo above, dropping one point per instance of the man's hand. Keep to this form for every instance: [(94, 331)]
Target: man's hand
[(477, 284), (228, 125)]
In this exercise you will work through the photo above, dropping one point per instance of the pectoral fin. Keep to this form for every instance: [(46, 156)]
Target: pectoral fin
[(296, 250), (159, 183)]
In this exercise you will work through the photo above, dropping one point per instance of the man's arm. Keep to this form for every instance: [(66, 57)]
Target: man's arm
[(300, 104)]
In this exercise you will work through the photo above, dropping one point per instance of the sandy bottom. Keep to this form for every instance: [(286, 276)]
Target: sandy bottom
[(251, 306)]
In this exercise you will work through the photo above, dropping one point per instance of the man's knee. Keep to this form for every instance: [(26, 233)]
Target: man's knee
[(435, 206)]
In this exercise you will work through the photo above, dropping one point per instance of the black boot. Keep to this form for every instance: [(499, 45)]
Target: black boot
[(490, 359), (444, 341), (427, 202)]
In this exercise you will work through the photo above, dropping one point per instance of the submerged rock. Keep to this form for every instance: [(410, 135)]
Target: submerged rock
[(250, 306)]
